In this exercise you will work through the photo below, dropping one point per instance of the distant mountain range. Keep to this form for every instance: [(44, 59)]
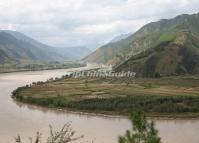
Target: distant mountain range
[(166, 47), (119, 37), (73, 53), (15, 46), (107, 53)]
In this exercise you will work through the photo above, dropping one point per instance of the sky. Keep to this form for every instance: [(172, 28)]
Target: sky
[(90, 23)]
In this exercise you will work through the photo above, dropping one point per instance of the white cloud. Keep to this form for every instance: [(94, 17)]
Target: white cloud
[(85, 22)]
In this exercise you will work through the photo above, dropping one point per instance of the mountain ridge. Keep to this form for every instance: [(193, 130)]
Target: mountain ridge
[(177, 57), (16, 46), (144, 38)]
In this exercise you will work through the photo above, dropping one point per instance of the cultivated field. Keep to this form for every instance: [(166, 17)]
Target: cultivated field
[(169, 95)]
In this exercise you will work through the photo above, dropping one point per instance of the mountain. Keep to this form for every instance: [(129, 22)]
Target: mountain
[(147, 37), (74, 53), (119, 37), (15, 47), (108, 53), (166, 47), (176, 57), (174, 49), (105, 53)]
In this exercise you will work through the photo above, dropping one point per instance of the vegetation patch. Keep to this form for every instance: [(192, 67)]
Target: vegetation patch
[(154, 96)]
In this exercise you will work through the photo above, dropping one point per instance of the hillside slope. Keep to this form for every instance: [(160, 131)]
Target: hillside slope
[(147, 37), (177, 57), (120, 37), (15, 46)]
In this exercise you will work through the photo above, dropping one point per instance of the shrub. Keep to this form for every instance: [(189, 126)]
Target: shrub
[(65, 135), (142, 131)]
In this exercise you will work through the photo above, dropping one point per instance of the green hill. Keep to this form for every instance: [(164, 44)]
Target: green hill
[(174, 57), (147, 37)]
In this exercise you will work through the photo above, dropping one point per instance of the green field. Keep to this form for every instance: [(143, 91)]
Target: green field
[(169, 96)]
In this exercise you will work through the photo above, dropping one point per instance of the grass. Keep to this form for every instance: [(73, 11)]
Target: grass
[(165, 96)]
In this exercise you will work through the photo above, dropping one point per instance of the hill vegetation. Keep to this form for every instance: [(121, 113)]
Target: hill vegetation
[(173, 56), (168, 47)]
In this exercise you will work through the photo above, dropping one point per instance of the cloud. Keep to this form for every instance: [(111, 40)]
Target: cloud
[(86, 22)]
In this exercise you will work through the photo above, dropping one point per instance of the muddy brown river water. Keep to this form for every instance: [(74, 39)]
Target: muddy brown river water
[(26, 120)]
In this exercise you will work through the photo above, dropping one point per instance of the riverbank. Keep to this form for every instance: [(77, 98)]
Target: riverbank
[(30, 70), (27, 68), (173, 97)]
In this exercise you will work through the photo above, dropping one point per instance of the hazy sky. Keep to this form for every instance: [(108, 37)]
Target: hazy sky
[(86, 22)]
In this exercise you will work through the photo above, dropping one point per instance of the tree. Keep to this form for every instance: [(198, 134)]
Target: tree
[(65, 135), (157, 75), (143, 131)]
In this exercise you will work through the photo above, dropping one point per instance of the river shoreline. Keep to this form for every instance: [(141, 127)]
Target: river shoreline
[(26, 119), (29, 70), (189, 116), (82, 98)]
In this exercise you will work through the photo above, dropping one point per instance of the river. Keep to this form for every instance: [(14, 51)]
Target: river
[(26, 120)]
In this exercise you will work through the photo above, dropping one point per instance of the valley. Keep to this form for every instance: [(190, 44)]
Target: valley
[(79, 80), (26, 119)]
